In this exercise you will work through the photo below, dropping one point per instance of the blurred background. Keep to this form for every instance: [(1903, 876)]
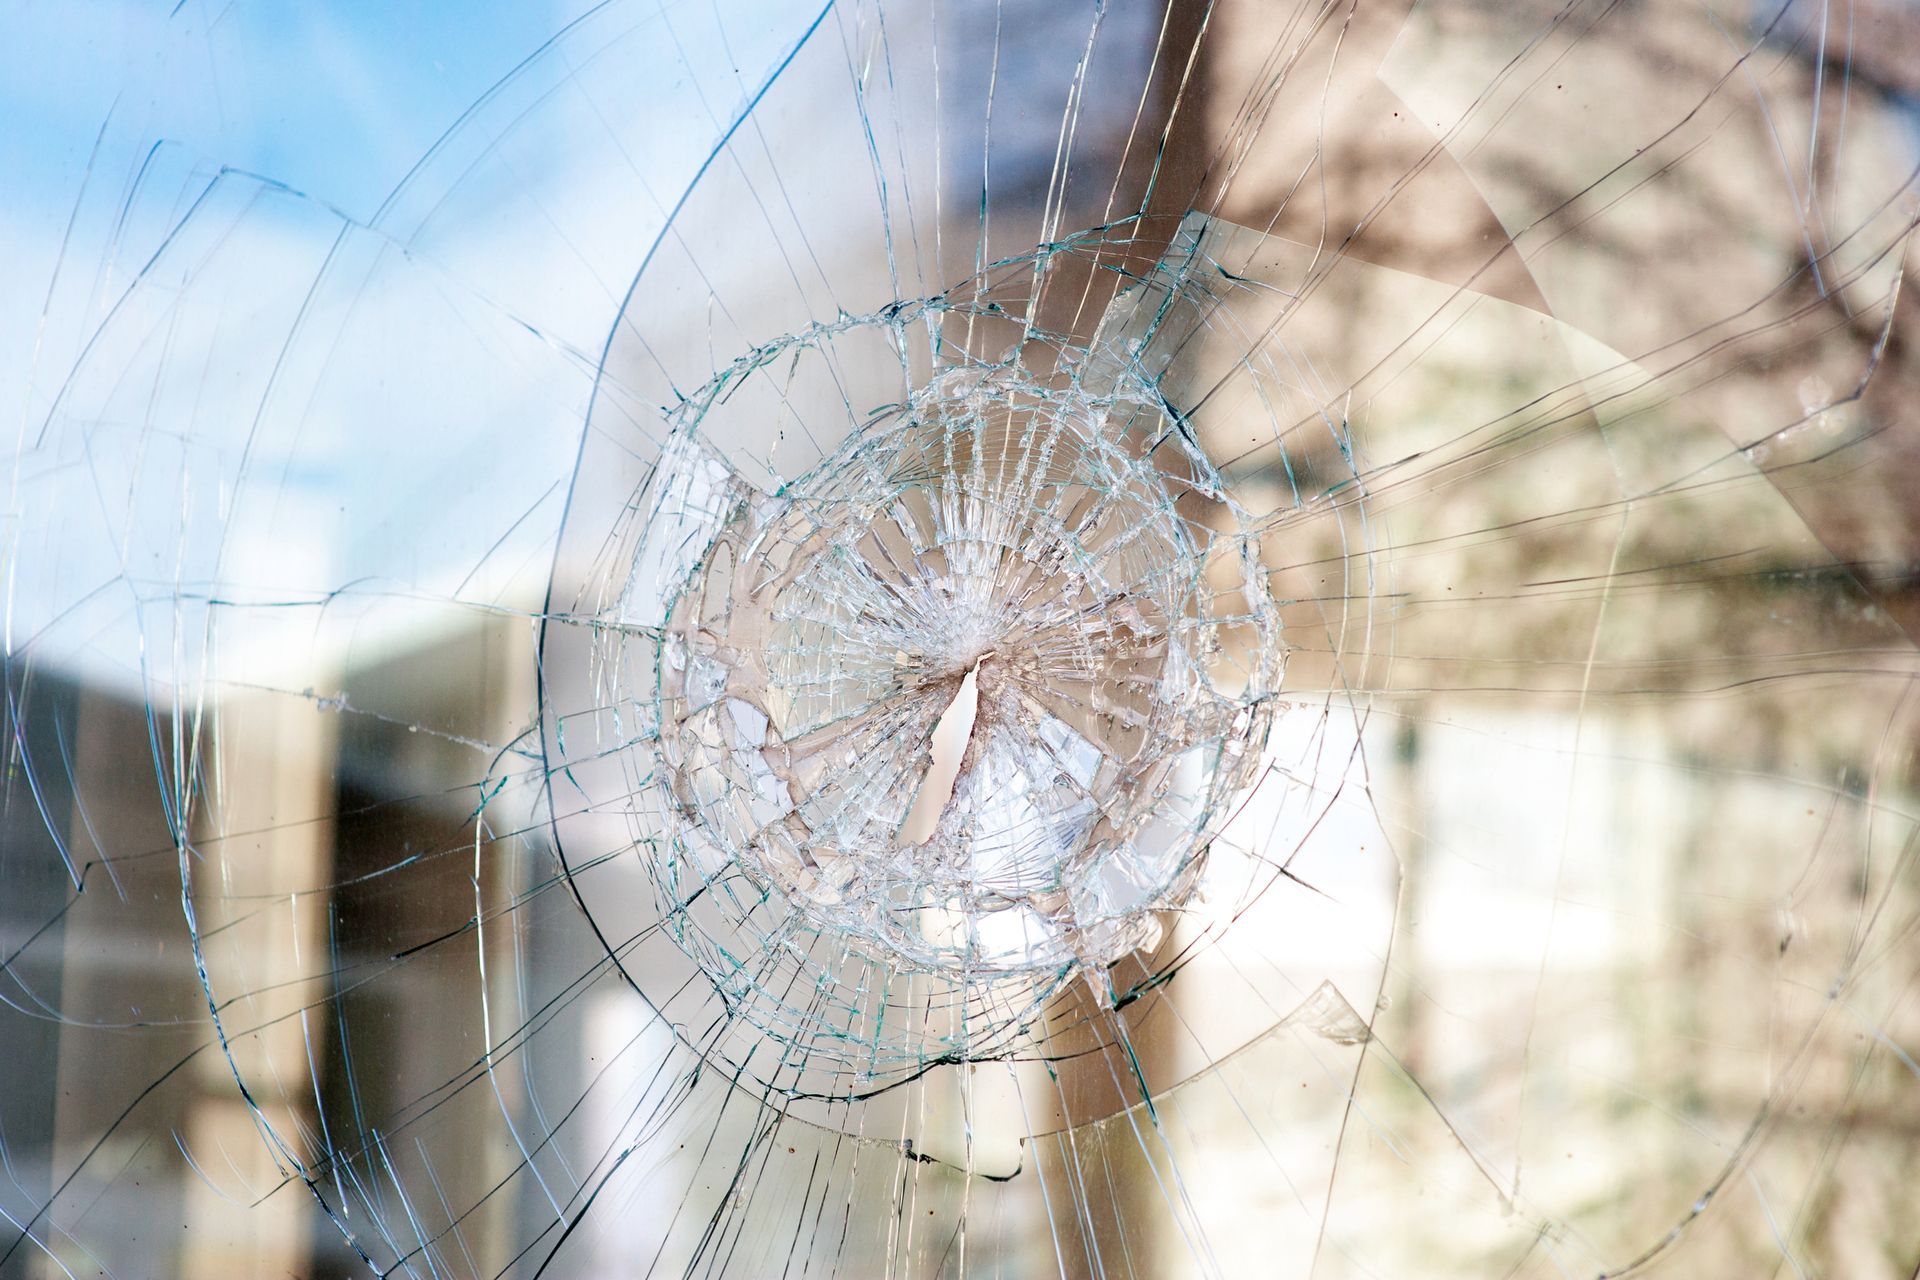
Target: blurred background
[(1556, 356)]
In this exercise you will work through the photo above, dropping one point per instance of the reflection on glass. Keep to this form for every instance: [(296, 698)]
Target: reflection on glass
[(926, 640)]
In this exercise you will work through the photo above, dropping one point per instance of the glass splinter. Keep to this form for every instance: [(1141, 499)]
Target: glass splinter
[(952, 739)]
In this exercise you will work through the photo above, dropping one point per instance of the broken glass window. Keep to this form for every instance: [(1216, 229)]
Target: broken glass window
[(925, 639)]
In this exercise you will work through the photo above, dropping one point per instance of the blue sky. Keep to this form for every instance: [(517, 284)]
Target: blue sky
[(338, 99), (435, 393)]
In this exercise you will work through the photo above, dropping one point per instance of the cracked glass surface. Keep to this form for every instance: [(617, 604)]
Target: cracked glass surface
[(924, 639)]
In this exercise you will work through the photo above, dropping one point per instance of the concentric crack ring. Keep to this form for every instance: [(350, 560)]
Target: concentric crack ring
[(1035, 535), (986, 531)]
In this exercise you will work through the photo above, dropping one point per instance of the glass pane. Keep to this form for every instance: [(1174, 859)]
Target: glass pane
[(927, 639)]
